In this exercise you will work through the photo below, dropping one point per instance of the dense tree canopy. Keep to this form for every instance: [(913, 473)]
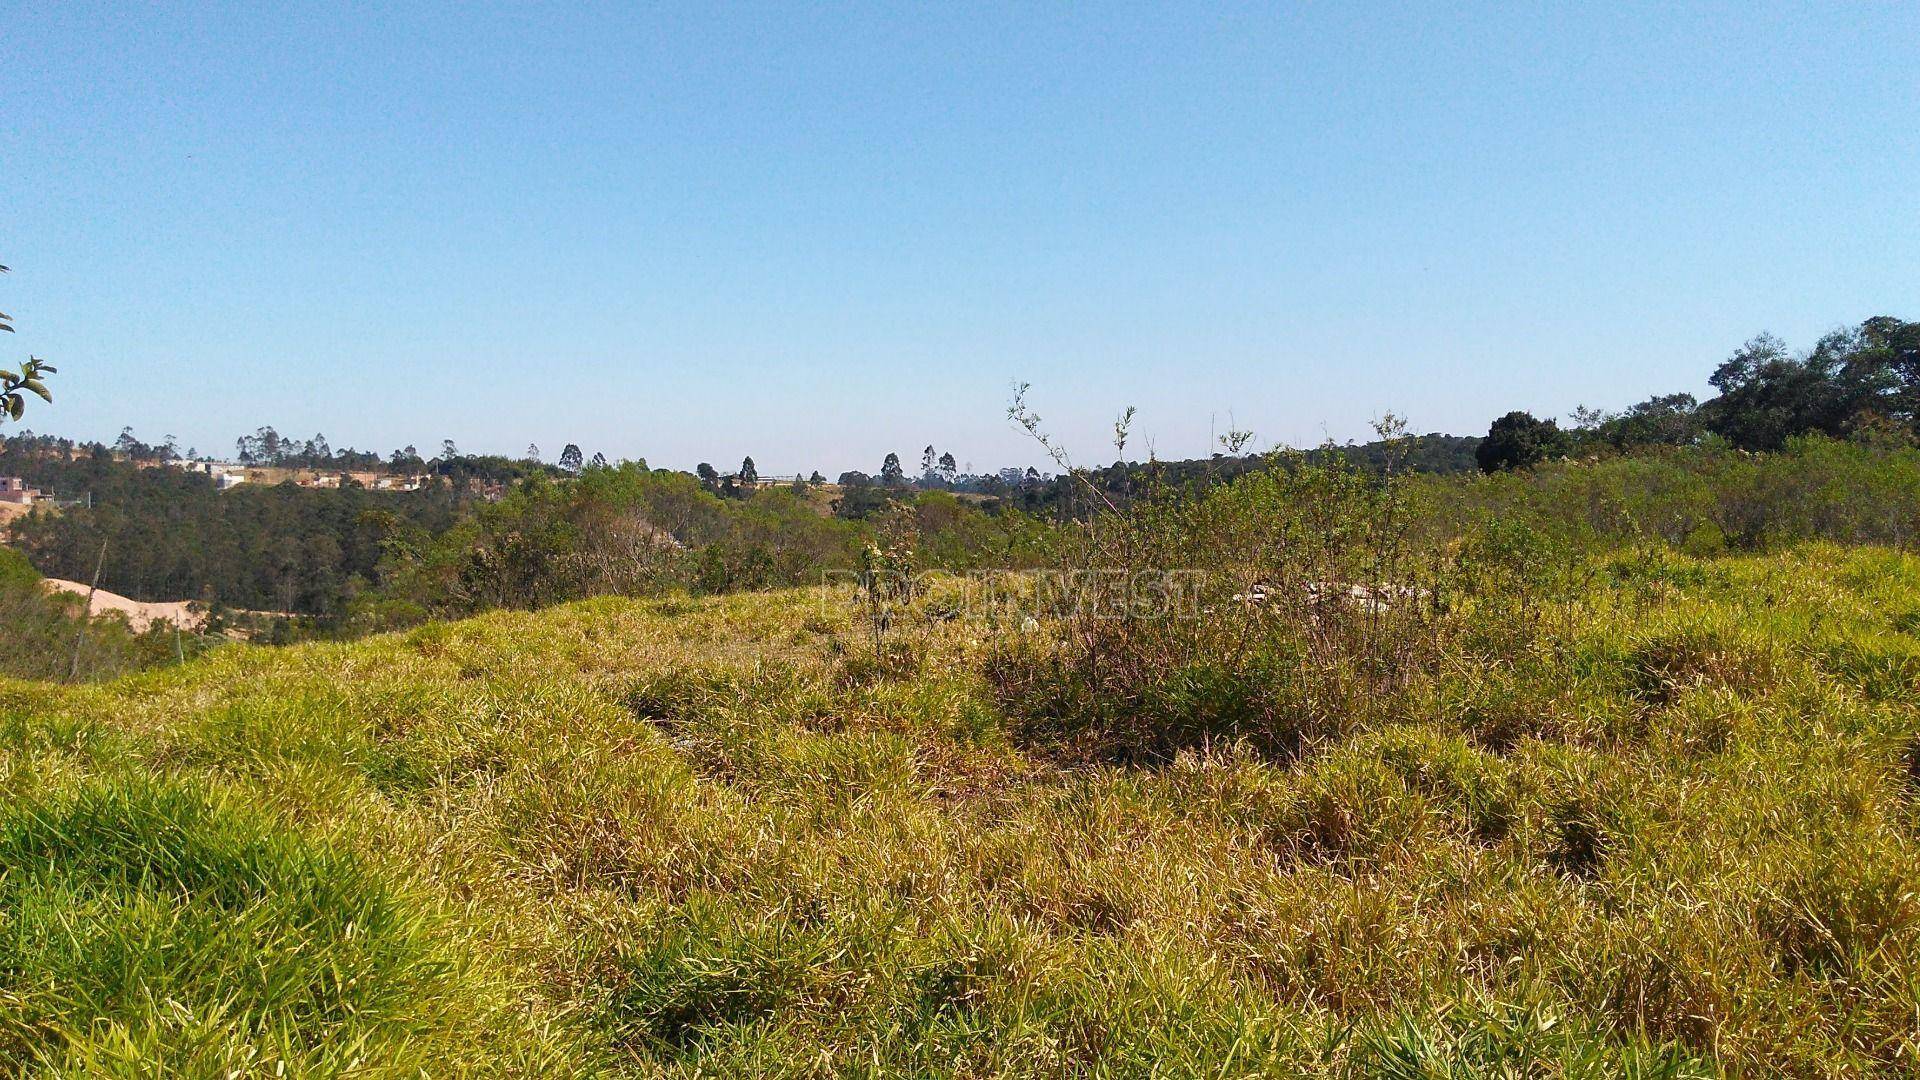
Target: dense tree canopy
[(1862, 380), (1518, 440), (171, 534), (1850, 380)]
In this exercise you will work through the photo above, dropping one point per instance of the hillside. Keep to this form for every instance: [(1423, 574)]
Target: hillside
[(717, 837)]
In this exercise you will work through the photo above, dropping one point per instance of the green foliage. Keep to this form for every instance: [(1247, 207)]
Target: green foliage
[(1664, 420), (632, 531), (16, 385), (29, 379), (1518, 441), (15, 571), (45, 635), (1277, 610), (1849, 381), (1704, 498), (172, 535), (1466, 1042), (269, 943)]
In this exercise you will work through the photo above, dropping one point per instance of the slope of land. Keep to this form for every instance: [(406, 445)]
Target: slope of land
[(140, 614), (717, 837)]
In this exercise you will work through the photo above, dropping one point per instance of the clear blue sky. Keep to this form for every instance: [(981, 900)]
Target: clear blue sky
[(817, 234)]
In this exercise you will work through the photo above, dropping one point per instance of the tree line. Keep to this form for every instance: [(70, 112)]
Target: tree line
[(328, 553), (171, 534), (1857, 382)]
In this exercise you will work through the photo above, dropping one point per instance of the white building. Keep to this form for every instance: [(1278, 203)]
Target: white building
[(225, 475)]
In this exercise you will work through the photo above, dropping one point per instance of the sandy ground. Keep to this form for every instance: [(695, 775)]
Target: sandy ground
[(139, 613)]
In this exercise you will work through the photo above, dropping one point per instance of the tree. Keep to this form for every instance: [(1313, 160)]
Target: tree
[(571, 459), (816, 478), (709, 477), (749, 475), (891, 474), (533, 452), (265, 446), (599, 461), (1893, 345), (1768, 396), (1664, 420), (1858, 379), (949, 468), (1518, 441), (16, 385)]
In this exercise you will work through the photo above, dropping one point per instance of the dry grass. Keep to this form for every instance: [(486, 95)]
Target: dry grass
[(1673, 837)]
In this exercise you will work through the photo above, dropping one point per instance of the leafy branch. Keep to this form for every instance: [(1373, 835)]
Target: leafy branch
[(16, 385)]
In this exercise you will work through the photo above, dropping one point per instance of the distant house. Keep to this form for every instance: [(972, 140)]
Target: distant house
[(15, 491), (376, 481), (225, 475)]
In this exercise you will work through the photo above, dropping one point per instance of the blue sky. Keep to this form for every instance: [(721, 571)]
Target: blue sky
[(819, 233)]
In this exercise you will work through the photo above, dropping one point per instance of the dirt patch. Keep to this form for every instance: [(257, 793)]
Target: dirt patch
[(140, 614)]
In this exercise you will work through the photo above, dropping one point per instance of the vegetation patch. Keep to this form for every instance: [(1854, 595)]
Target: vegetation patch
[(1507, 806), (143, 922)]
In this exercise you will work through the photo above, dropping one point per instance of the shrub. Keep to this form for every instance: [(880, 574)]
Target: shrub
[(1282, 609)]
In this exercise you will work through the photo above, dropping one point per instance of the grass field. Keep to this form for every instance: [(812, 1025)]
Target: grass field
[(715, 837)]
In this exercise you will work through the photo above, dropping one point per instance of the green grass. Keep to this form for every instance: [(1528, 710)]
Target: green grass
[(713, 837)]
